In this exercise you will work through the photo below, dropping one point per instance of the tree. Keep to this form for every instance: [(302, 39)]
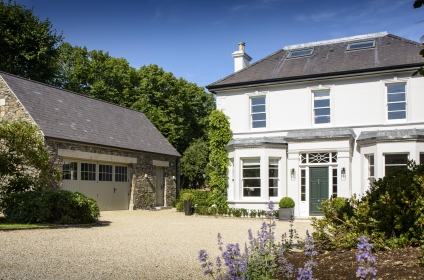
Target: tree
[(418, 4), (178, 108), (29, 46), (217, 168), (95, 73), (193, 164), (24, 160)]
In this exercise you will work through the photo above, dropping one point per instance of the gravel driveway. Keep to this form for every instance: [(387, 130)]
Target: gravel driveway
[(129, 245)]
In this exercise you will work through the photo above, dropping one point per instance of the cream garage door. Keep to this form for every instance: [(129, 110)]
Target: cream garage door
[(104, 182)]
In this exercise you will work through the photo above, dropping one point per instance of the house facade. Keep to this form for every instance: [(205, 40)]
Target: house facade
[(112, 154), (321, 119)]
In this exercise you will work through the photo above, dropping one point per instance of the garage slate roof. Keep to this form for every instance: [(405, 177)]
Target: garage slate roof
[(256, 141), (328, 58), (70, 116), (320, 133), (387, 135)]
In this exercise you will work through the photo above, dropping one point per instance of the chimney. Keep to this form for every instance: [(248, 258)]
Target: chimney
[(241, 59)]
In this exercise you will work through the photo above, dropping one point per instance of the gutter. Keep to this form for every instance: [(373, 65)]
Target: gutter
[(343, 74)]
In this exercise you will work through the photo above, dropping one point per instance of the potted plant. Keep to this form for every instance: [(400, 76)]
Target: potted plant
[(286, 211), (188, 203)]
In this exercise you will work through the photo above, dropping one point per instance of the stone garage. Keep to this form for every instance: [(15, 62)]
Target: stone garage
[(112, 154)]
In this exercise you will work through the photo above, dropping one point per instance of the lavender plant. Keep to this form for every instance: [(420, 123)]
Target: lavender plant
[(306, 273), (365, 259)]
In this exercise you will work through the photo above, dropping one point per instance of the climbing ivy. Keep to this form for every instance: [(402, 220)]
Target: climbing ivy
[(217, 168)]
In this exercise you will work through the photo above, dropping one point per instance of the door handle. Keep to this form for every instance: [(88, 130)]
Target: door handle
[(319, 182), (114, 190)]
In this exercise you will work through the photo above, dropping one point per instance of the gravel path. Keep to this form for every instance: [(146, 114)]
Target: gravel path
[(130, 245)]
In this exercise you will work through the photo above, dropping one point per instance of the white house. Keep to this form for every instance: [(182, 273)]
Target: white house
[(319, 119)]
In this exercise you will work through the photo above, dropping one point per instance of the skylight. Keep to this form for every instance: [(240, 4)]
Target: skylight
[(300, 53), (361, 45)]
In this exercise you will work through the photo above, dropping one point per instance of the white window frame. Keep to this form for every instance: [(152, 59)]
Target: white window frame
[(396, 102), (258, 94), (277, 167), (255, 178), (371, 178)]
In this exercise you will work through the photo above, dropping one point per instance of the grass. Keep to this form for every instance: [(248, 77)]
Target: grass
[(6, 225)]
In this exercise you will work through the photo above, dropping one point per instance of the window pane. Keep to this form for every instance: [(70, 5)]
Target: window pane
[(324, 119), (273, 183), (361, 45), (258, 124), (70, 170), (258, 101), (249, 173), (396, 88), (322, 112), (389, 169), (397, 115), (105, 172), (273, 192), (121, 173), (321, 95), (259, 117), (396, 159), (300, 53), (397, 106), (421, 158), (322, 103), (258, 109), (252, 183), (396, 97), (252, 192), (254, 162), (273, 172)]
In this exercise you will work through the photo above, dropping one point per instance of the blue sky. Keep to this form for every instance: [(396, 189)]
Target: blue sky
[(195, 39)]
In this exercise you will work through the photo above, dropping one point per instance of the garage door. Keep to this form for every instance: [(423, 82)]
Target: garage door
[(104, 182)]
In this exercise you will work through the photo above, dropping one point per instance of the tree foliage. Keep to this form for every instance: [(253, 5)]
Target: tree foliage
[(95, 73), (178, 108), (217, 168), (24, 160), (193, 164), (29, 46)]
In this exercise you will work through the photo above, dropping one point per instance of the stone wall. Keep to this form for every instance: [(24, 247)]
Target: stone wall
[(12, 110), (142, 186)]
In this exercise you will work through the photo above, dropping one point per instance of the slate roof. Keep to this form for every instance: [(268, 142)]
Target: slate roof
[(322, 133), (69, 116), (256, 141), (329, 58), (388, 135)]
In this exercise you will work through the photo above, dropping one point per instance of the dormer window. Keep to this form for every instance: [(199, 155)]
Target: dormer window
[(361, 45), (300, 53)]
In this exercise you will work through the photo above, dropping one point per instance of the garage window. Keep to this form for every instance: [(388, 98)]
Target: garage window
[(105, 172), (70, 170), (121, 174), (88, 171)]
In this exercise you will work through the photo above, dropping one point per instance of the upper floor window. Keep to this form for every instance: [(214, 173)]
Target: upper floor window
[(321, 107), (258, 112), (393, 161), (396, 101)]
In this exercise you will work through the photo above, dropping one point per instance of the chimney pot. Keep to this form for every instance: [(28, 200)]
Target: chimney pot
[(241, 46)]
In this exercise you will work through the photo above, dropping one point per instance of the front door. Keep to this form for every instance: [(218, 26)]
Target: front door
[(160, 186), (318, 189)]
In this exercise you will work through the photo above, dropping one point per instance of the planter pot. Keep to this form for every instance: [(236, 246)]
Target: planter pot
[(188, 207), (285, 214)]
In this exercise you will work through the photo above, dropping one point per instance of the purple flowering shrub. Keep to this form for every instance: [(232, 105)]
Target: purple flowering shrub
[(263, 258), (365, 259)]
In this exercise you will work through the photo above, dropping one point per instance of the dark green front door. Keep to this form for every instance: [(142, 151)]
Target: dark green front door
[(318, 189)]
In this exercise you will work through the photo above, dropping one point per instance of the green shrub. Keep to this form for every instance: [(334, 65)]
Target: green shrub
[(51, 206), (391, 213), (286, 202), (188, 197)]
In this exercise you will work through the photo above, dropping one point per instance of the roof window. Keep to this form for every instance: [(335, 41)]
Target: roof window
[(300, 53), (361, 45)]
